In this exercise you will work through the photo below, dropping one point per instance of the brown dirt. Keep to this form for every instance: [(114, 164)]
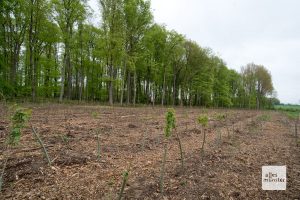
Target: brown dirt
[(132, 139)]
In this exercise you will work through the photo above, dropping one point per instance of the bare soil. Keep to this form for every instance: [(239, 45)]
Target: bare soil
[(132, 139)]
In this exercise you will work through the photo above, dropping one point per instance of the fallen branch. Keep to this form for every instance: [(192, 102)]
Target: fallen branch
[(42, 145), (31, 149), (128, 116), (2, 173)]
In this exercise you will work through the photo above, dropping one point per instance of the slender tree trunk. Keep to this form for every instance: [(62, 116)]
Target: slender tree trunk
[(14, 63), (110, 87), (128, 87), (123, 84), (31, 43), (174, 89), (81, 84), (134, 87), (62, 86), (69, 73), (164, 89)]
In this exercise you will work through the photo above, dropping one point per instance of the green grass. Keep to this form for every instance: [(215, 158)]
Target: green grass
[(292, 111), (264, 117), (294, 108)]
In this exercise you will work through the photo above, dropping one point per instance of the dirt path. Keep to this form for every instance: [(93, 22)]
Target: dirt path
[(133, 138)]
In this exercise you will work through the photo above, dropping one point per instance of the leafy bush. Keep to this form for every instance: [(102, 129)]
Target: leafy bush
[(203, 120), (170, 122), (19, 119), (220, 117)]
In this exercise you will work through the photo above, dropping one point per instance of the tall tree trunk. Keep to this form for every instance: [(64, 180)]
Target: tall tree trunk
[(134, 87), (69, 75), (110, 86), (68, 61), (123, 84), (31, 53), (62, 87), (47, 81), (128, 87), (81, 84), (164, 88), (13, 66), (174, 88)]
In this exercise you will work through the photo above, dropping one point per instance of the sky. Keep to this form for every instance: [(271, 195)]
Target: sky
[(265, 32)]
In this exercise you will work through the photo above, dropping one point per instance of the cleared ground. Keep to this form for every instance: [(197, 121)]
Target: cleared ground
[(132, 139)]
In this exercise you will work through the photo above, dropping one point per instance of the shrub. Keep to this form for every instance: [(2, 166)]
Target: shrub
[(18, 120)]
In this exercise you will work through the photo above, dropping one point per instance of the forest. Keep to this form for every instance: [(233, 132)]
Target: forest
[(52, 50)]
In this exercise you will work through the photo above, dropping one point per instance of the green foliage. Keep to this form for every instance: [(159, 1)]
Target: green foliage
[(19, 119), (125, 178), (95, 114), (65, 139), (264, 117), (220, 117), (170, 122), (203, 120), (292, 115), (292, 111), (288, 108), (128, 57)]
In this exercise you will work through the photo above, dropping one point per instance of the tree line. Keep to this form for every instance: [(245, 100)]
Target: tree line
[(50, 49)]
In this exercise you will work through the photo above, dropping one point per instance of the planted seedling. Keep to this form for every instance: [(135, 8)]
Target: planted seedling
[(203, 121), (180, 150), (95, 115), (296, 128), (294, 116), (170, 125), (98, 145), (263, 118), (19, 119), (67, 122), (221, 118), (186, 117), (125, 178), (64, 138), (144, 139)]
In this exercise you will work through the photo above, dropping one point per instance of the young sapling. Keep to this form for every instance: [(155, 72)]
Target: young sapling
[(125, 178), (144, 139), (221, 118), (18, 119), (95, 115), (98, 145), (170, 125), (180, 149), (296, 127), (203, 121)]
